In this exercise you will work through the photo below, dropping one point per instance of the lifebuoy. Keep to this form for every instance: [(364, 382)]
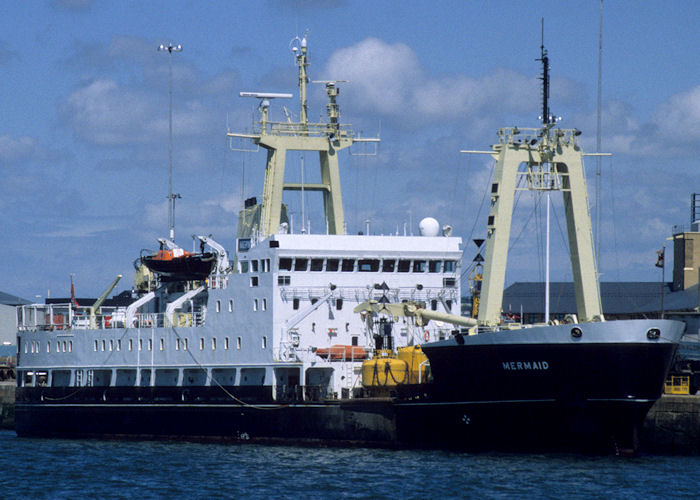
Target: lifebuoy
[(427, 336)]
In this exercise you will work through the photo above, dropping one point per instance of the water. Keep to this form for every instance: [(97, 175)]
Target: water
[(43, 468)]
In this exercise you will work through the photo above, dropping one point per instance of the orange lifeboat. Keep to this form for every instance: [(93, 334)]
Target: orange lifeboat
[(342, 352)]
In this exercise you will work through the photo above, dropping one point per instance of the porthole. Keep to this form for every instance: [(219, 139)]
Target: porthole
[(576, 332), (653, 333)]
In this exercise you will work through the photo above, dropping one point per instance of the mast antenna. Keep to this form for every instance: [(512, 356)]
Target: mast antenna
[(546, 117)]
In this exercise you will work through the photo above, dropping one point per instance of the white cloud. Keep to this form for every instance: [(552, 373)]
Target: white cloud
[(678, 119), (106, 114), (14, 150)]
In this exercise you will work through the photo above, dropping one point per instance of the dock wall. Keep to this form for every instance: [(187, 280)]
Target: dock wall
[(7, 405), (672, 426)]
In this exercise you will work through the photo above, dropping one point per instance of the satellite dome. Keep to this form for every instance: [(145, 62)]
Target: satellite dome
[(429, 227)]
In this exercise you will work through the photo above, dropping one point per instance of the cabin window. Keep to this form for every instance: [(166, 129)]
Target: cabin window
[(433, 305), (264, 304), (238, 343), (201, 343), (264, 342), (285, 264), (418, 266), (404, 266), (368, 265), (317, 264), (111, 344), (295, 303), (119, 345), (64, 346), (230, 305), (354, 340), (338, 304), (284, 280), (434, 266), (449, 282), (218, 306), (332, 264), (226, 343), (185, 346), (48, 347), (348, 265), (177, 344), (267, 266), (131, 344), (253, 281), (140, 344), (388, 265), (213, 344), (162, 344), (314, 300), (104, 345), (450, 266), (150, 344), (255, 304), (244, 266), (57, 346), (254, 264), (70, 346), (301, 264)]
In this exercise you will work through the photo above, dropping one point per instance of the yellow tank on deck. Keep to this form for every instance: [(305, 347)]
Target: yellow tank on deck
[(417, 363), (387, 369), (384, 370)]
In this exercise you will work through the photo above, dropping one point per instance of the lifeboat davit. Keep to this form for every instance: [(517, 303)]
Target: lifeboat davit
[(180, 265), (342, 352)]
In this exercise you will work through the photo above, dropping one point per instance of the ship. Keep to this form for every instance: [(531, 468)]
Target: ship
[(347, 339)]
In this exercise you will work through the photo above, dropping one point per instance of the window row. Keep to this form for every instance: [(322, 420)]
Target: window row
[(258, 305), (34, 346), (367, 265), (180, 344), (255, 266)]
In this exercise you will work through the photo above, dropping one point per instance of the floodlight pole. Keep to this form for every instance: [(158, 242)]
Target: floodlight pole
[(170, 48)]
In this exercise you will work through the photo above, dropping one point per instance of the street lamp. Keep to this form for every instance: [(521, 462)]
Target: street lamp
[(170, 48)]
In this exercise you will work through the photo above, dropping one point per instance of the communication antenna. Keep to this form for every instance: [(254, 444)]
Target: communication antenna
[(547, 118)]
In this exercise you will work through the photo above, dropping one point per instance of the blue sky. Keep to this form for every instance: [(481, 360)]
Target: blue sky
[(84, 129)]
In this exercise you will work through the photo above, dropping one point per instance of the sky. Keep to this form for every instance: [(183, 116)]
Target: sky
[(84, 129)]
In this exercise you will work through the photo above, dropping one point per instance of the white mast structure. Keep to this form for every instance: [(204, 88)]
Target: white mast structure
[(328, 139), (548, 159)]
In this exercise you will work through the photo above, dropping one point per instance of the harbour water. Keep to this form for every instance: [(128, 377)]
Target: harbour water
[(53, 468)]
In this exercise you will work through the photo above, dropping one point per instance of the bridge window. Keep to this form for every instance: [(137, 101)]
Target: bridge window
[(450, 266), (348, 265), (285, 264), (332, 264), (404, 266), (301, 264), (368, 265), (388, 265), (317, 264), (434, 266)]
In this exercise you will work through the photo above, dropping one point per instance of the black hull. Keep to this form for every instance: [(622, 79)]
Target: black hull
[(205, 413)]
